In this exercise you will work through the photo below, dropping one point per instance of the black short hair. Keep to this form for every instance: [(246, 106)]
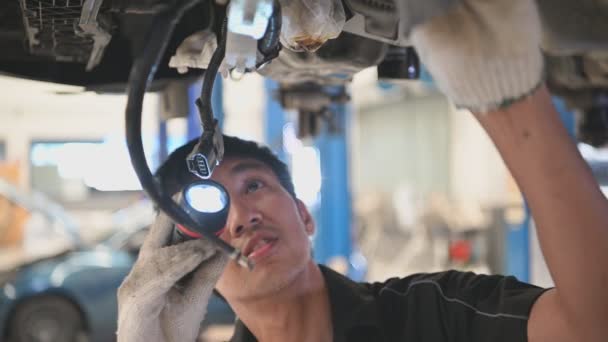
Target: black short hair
[(173, 174)]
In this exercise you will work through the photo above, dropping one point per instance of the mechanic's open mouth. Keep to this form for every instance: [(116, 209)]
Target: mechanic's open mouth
[(259, 247)]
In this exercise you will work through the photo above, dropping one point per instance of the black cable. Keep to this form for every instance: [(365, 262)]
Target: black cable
[(204, 102), (270, 45), (142, 73)]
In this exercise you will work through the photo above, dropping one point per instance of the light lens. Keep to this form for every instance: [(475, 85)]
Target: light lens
[(206, 198)]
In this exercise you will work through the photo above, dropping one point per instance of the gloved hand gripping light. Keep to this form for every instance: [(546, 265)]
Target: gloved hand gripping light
[(203, 206)]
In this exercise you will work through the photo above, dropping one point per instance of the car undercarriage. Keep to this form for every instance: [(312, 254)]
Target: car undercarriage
[(93, 43)]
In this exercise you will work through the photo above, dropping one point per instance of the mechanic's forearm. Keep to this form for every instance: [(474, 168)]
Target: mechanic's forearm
[(570, 212)]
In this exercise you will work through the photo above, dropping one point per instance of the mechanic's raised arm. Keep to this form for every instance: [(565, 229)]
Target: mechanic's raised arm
[(485, 56), (571, 215)]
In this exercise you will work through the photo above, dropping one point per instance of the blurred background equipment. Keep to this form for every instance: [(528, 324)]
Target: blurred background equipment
[(12, 216)]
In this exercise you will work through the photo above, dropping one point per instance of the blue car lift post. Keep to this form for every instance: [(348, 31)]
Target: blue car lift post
[(334, 238)]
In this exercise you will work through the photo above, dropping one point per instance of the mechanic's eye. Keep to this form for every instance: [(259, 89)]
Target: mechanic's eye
[(253, 185)]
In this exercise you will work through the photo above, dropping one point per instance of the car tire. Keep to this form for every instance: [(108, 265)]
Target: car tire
[(47, 319)]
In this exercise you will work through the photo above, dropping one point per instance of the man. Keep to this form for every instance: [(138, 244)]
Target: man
[(484, 55)]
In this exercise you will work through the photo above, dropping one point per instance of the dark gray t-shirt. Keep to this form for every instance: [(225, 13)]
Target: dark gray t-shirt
[(435, 307)]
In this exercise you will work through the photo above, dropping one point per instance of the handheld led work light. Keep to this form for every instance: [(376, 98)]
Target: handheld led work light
[(207, 203)]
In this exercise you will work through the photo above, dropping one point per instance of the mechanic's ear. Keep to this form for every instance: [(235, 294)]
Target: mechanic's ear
[(309, 223)]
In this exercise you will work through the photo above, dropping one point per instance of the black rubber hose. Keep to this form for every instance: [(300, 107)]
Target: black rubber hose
[(269, 44), (204, 102), (142, 73)]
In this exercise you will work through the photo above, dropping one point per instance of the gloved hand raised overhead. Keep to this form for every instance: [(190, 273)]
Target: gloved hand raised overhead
[(151, 307), (483, 54)]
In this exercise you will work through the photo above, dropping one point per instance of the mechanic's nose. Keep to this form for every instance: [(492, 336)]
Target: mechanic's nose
[(243, 217)]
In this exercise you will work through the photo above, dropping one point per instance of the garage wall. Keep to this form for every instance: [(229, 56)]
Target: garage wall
[(445, 140), (33, 111), (403, 143), (477, 173)]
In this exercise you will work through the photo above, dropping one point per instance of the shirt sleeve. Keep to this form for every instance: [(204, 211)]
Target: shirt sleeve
[(458, 306)]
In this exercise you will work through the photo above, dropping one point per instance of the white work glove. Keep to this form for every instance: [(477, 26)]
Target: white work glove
[(483, 54), (151, 308)]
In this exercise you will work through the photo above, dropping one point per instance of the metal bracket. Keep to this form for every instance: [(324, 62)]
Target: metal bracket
[(90, 26)]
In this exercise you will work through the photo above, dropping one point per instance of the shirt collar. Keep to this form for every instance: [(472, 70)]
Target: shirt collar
[(352, 306)]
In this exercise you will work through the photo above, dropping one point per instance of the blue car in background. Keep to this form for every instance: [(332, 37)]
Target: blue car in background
[(71, 295)]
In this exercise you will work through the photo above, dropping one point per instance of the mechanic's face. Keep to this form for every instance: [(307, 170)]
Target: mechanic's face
[(267, 225)]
